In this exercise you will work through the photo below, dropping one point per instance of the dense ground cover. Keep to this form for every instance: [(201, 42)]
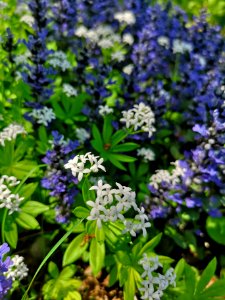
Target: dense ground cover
[(112, 169)]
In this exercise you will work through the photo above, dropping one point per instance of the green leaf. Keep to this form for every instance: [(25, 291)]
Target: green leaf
[(21, 168), (206, 276), (113, 275), (97, 136), (215, 290), (59, 111), (122, 157), (11, 233), (190, 279), (129, 286), (118, 137), (107, 129), (178, 238), (116, 163), (86, 192), (75, 249), (99, 234), (97, 256), (179, 269), (216, 229), (53, 269), (125, 147), (34, 208), (42, 133), (28, 189), (124, 258), (27, 221), (81, 212), (150, 245)]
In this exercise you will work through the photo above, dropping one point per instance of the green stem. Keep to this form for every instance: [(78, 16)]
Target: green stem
[(3, 224), (55, 247)]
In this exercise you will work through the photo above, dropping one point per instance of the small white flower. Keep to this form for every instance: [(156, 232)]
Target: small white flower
[(69, 90), (163, 41), (180, 46), (128, 39), (29, 20), (147, 154), (140, 117), (105, 110), (118, 56), (18, 270), (7, 198), (81, 31), (82, 134), (59, 59), (43, 115), (105, 43), (10, 133), (128, 69), (126, 17), (78, 168)]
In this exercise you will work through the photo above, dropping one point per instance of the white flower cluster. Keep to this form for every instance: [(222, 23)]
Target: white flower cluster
[(165, 176), (153, 284), (18, 270), (102, 35), (140, 116), (21, 59), (29, 20), (147, 154), (43, 115), (82, 134), (126, 17), (111, 204), (7, 198), (180, 46), (163, 41), (59, 59), (105, 110), (128, 69), (118, 56), (79, 162), (69, 90), (10, 133), (128, 39)]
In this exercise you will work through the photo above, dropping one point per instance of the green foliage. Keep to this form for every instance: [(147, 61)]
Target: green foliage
[(108, 144)]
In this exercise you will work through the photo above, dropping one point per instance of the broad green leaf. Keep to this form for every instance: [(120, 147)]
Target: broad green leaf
[(150, 245), (124, 258), (122, 157), (97, 136), (81, 212), (216, 290), (190, 279), (73, 296), (34, 208), (27, 221), (206, 276), (129, 286), (125, 147), (75, 249), (42, 133), (113, 275), (99, 234), (11, 233), (118, 137), (116, 163), (97, 256), (107, 129), (28, 189), (178, 238), (216, 229), (86, 192), (179, 269), (53, 269)]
